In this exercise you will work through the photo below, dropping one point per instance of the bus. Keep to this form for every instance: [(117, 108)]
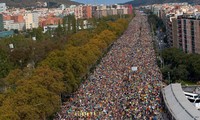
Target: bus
[(197, 104), (193, 98)]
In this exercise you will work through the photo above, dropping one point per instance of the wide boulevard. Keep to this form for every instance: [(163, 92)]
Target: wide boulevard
[(125, 85)]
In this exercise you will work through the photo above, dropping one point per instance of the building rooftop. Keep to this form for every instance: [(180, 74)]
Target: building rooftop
[(6, 34), (177, 103)]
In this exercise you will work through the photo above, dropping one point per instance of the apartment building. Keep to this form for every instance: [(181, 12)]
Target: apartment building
[(78, 12), (50, 20), (11, 25), (22, 19), (104, 10), (101, 11), (189, 34), (14, 22), (31, 20), (183, 26), (18, 18), (130, 8), (87, 11), (169, 28), (35, 19), (94, 13)]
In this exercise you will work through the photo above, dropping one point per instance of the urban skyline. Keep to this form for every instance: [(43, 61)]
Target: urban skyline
[(102, 1), (100, 61)]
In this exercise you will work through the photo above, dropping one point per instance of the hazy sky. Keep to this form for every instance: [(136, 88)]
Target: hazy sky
[(101, 1)]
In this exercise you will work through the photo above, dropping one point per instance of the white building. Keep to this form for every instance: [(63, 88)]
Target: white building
[(7, 24), (78, 12), (35, 20), (31, 20), (49, 27), (11, 25), (2, 7)]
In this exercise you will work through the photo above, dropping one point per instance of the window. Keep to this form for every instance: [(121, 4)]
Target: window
[(197, 101), (188, 95), (191, 100), (193, 39)]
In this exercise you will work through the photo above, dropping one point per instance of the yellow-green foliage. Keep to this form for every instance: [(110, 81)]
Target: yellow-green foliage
[(34, 94), (83, 50), (31, 97)]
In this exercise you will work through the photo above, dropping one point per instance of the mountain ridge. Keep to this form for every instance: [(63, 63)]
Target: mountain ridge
[(33, 3), (149, 2)]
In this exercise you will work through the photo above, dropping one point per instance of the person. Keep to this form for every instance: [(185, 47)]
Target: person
[(112, 93)]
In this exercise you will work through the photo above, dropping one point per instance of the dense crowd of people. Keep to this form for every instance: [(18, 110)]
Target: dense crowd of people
[(115, 92)]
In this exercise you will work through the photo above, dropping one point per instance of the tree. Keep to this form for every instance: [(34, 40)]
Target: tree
[(30, 101), (35, 97), (172, 56), (59, 30), (13, 77), (5, 64), (96, 51), (76, 60), (78, 39), (50, 79), (59, 61), (56, 60), (194, 66), (74, 24), (64, 25), (90, 57), (102, 25), (38, 33), (1, 99), (20, 56), (118, 26), (68, 24), (180, 73), (101, 44), (165, 71), (107, 35), (61, 65), (182, 66)]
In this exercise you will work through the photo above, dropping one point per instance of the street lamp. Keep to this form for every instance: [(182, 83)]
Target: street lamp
[(169, 77)]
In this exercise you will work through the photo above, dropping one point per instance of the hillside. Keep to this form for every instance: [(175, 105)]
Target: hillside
[(148, 2), (33, 3)]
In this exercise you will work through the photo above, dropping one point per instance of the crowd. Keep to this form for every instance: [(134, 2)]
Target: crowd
[(115, 92)]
